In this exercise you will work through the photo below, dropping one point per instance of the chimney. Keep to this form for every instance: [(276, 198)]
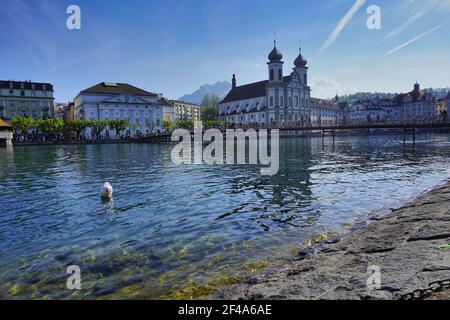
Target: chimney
[(233, 82)]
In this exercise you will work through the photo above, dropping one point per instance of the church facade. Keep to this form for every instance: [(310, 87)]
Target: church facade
[(279, 101)]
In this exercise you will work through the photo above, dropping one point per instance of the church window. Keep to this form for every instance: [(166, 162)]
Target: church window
[(280, 74), (305, 79), (271, 101), (296, 101), (290, 102), (271, 75), (281, 101)]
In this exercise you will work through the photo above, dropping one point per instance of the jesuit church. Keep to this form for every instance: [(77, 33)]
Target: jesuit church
[(278, 101)]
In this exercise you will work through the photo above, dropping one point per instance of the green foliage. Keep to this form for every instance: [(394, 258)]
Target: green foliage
[(210, 107), (76, 126), (182, 124), (21, 123), (208, 124), (118, 125), (49, 126), (97, 126), (167, 124)]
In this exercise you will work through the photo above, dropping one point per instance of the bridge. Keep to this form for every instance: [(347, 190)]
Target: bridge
[(404, 126)]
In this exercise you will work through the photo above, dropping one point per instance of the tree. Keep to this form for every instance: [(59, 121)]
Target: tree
[(22, 124), (97, 126), (167, 124), (49, 127), (118, 125), (210, 107), (76, 126)]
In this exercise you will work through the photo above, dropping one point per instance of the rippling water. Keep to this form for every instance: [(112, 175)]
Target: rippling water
[(181, 231)]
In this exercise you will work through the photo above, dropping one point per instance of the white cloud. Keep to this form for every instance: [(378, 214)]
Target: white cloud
[(341, 25), (327, 88)]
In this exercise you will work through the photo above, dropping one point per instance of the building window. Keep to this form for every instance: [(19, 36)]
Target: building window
[(271, 75), (296, 101), (305, 79), (280, 75), (271, 101), (281, 101)]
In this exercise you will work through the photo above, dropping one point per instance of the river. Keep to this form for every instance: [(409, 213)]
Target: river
[(182, 231)]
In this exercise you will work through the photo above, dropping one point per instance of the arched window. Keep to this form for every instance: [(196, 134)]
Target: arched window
[(290, 102), (280, 74), (271, 101), (271, 75), (296, 101)]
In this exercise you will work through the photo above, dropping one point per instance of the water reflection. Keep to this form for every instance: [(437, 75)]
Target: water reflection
[(174, 231)]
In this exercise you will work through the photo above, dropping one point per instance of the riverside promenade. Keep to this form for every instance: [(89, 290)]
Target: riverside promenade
[(407, 245)]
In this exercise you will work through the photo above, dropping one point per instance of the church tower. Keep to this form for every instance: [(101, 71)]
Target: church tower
[(300, 74), (275, 97), (275, 65), (301, 68)]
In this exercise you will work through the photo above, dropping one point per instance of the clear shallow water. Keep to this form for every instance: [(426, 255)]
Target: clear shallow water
[(180, 231)]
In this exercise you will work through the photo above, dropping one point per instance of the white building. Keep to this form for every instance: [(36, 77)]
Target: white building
[(107, 100), (186, 111), (278, 101), (367, 113), (26, 98), (324, 112), (417, 106)]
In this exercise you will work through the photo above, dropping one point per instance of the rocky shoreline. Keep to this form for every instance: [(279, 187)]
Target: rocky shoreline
[(408, 247)]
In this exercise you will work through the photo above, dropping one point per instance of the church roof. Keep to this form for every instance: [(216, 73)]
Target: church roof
[(250, 91), (275, 55), (322, 103), (4, 124), (116, 89)]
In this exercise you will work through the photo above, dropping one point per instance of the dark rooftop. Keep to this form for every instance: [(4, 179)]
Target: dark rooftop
[(117, 88), (249, 91), (25, 85)]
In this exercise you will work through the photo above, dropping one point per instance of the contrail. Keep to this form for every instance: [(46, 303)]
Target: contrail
[(406, 24), (341, 25), (420, 36)]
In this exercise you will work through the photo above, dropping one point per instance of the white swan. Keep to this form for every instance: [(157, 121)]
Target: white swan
[(106, 191)]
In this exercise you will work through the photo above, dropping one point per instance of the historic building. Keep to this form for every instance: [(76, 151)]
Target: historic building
[(442, 108), (26, 98), (107, 100), (168, 109), (374, 110), (6, 134), (186, 111), (417, 106), (280, 100), (324, 112)]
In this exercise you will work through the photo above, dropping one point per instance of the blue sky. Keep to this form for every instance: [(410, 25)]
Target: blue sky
[(174, 46)]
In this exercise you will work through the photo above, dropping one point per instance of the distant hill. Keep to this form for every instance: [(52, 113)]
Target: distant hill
[(351, 98), (220, 88)]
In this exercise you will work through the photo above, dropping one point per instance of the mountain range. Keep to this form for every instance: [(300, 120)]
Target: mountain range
[(220, 88)]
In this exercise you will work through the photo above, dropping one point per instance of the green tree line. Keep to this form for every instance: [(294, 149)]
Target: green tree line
[(52, 127)]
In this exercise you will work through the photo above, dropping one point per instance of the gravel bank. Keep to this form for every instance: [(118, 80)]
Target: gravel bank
[(404, 245)]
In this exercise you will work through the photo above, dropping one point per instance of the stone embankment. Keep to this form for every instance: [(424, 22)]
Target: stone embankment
[(408, 246)]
